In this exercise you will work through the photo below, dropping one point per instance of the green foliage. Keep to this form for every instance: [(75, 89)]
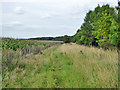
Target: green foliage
[(100, 27), (66, 39), (113, 36), (15, 44)]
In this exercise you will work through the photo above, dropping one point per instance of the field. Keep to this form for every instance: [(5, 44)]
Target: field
[(47, 64)]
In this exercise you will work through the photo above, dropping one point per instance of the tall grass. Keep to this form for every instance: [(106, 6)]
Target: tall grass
[(98, 71), (13, 53), (65, 66)]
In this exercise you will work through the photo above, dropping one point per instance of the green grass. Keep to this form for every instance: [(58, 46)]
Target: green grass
[(65, 67)]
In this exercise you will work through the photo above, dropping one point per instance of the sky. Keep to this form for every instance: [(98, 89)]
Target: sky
[(44, 18)]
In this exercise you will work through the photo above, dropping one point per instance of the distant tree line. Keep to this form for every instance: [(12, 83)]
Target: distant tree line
[(49, 38), (65, 38)]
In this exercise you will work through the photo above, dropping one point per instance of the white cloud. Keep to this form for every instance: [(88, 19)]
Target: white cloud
[(34, 26), (0, 24), (48, 26), (80, 2), (42, 1), (13, 23), (19, 10), (46, 16)]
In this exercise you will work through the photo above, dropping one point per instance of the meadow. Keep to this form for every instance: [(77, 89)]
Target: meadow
[(49, 64)]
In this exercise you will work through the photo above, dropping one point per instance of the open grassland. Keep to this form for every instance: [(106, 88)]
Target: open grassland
[(64, 66)]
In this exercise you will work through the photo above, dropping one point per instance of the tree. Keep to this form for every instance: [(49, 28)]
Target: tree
[(84, 34), (113, 36), (66, 39), (100, 27)]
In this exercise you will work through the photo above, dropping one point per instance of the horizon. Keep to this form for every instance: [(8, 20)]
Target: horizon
[(32, 19)]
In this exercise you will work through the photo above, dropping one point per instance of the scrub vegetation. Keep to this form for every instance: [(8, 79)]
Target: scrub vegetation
[(88, 59), (64, 66)]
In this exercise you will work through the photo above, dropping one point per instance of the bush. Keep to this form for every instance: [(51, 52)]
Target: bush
[(66, 39)]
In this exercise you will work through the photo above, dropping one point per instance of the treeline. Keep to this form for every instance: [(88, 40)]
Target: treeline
[(100, 28), (49, 38), (65, 38)]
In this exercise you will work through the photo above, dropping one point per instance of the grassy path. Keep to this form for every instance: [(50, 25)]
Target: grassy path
[(66, 66)]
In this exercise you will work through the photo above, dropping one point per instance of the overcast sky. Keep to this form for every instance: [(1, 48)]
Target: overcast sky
[(38, 18)]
